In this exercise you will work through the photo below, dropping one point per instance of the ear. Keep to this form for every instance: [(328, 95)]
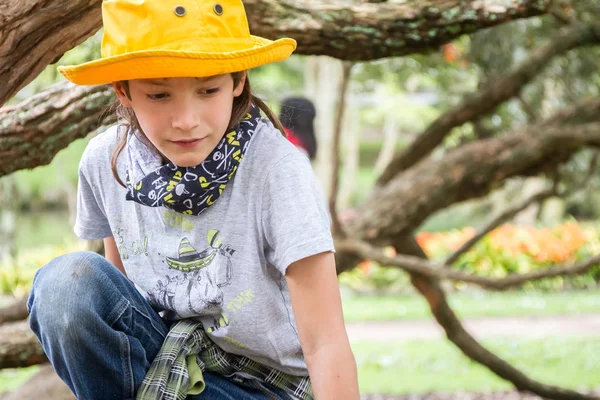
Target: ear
[(240, 87), (122, 94)]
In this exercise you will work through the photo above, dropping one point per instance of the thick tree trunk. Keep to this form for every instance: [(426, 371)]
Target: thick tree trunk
[(36, 33)]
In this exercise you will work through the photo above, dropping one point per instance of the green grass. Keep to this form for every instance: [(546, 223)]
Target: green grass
[(420, 366), (472, 305)]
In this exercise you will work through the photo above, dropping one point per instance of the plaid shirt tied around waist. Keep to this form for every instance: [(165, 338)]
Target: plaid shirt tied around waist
[(169, 379)]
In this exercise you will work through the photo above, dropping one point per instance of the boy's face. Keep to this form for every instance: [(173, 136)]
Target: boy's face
[(184, 118)]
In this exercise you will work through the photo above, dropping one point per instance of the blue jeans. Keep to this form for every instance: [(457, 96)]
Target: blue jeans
[(101, 335)]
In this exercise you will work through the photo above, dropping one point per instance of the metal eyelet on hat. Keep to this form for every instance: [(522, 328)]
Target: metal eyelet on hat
[(218, 9), (180, 11)]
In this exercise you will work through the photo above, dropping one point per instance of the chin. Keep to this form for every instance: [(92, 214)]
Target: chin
[(187, 161)]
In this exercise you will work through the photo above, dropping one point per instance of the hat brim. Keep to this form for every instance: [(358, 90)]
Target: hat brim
[(174, 64)]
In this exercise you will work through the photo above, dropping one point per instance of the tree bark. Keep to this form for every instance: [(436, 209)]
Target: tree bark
[(358, 32), (496, 92), (36, 33), (32, 132)]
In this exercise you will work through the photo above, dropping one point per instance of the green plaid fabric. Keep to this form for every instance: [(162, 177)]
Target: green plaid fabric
[(168, 377)]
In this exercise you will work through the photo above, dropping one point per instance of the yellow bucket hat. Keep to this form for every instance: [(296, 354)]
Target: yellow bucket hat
[(175, 38)]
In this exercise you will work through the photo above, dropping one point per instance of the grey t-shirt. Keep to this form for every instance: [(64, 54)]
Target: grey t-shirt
[(225, 267)]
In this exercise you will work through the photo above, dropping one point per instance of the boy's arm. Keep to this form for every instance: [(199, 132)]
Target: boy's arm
[(111, 253), (317, 306)]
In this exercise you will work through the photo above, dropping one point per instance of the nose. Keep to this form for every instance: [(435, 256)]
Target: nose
[(185, 117)]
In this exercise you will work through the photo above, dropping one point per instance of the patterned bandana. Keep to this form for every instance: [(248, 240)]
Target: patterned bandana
[(188, 190)]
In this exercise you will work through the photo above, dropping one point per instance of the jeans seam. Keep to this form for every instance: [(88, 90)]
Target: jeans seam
[(128, 383)]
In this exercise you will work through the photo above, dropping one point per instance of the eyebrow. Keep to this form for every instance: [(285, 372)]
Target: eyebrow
[(164, 82)]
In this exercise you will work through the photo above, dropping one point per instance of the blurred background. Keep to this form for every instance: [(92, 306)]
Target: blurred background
[(548, 328)]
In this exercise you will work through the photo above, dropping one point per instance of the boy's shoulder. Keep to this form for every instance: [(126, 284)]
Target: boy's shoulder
[(105, 141), (100, 148)]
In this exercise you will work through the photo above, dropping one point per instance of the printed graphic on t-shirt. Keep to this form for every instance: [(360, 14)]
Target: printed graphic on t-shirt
[(203, 274), (130, 248)]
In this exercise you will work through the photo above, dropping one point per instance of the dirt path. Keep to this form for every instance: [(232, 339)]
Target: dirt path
[(480, 328)]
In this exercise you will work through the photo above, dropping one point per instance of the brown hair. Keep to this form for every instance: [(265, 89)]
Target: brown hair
[(241, 106)]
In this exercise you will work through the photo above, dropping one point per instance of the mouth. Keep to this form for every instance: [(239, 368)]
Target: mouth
[(187, 143)]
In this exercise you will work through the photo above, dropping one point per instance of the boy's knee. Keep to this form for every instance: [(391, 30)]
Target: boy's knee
[(69, 267), (69, 275)]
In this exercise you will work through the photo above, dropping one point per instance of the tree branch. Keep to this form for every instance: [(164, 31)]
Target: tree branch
[(368, 31), (16, 311), (32, 132), (489, 97), (36, 33), (511, 212), (435, 270), (468, 172), (456, 333)]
